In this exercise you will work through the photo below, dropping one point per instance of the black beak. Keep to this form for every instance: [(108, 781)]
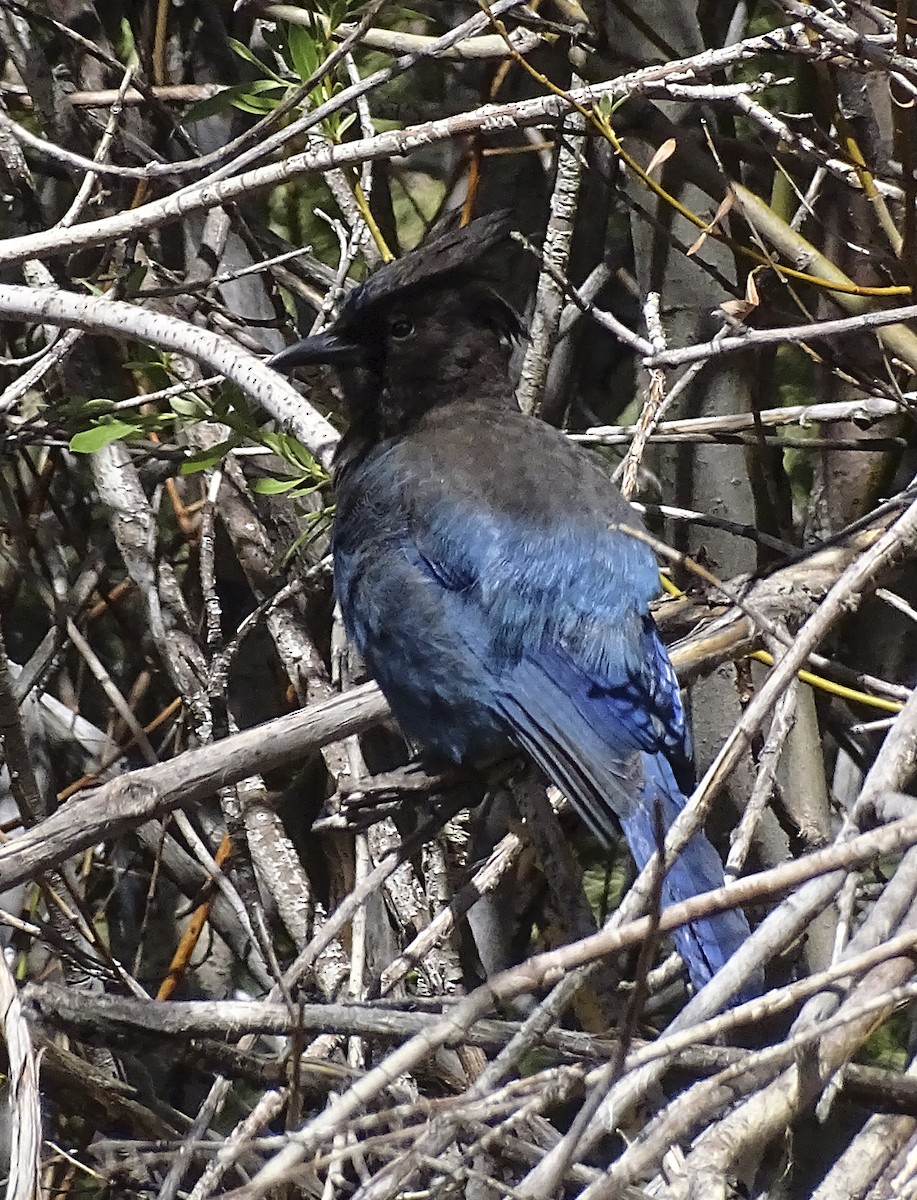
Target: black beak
[(325, 347)]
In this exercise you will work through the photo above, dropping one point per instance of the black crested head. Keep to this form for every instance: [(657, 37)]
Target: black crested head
[(450, 257), (423, 331)]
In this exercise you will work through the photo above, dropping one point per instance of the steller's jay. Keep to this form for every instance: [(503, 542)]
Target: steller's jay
[(480, 572)]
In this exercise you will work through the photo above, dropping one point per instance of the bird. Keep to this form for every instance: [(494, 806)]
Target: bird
[(484, 572)]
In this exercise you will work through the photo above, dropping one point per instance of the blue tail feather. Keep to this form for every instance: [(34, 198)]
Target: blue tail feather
[(614, 781), (706, 944)]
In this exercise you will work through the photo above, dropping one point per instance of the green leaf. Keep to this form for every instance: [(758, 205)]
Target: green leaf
[(218, 103), (276, 442), (300, 455), (229, 405), (307, 489), (306, 51), (273, 39), (202, 460), (183, 406), (337, 13), (250, 97), (143, 364), (292, 451), (258, 106), (274, 487), (88, 407), (315, 522), (243, 52), (90, 440), (135, 279)]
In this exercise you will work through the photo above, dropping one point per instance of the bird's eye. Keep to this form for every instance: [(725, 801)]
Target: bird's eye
[(401, 328)]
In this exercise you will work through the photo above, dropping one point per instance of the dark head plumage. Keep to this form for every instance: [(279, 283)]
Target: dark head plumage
[(417, 328), (449, 259)]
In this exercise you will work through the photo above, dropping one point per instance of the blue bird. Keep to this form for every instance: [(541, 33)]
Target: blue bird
[(482, 573)]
